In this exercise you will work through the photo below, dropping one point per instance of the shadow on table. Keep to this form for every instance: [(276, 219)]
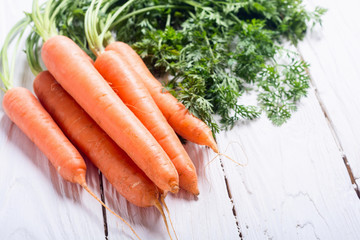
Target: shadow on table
[(63, 188)]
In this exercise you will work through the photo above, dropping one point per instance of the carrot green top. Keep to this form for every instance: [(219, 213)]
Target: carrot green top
[(44, 19), (31, 48), (44, 27), (97, 29), (7, 71)]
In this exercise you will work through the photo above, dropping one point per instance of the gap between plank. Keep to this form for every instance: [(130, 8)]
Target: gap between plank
[(102, 196), (332, 129), (231, 199)]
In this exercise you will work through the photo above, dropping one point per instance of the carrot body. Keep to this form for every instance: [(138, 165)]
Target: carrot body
[(113, 162), (27, 113), (66, 62), (128, 86), (183, 122)]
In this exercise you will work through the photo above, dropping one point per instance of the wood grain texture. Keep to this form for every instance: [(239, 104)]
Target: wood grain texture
[(295, 185), (209, 216), (35, 202), (333, 52)]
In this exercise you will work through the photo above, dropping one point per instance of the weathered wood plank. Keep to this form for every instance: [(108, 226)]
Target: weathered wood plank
[(35, 202), (295, 185), (209, 216), (333, 52)]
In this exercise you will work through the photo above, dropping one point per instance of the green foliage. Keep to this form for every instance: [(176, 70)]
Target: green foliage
[(214, 50), (281, 86)]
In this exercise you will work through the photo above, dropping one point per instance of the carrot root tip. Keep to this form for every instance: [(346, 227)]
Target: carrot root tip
[(174, 188), (214, 147), (80, 179)]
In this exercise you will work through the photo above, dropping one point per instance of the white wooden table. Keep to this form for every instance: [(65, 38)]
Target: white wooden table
[(301, 180)]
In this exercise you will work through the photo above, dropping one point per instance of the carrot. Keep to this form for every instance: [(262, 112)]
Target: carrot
[(27, 113), (133, 93), (77, 75), (182, 121), (65, 61), (128, 86), (113, 162)]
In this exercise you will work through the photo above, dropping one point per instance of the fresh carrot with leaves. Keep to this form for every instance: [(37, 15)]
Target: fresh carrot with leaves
[(77, 75), (128, 86), (28, 114), (181, 120)]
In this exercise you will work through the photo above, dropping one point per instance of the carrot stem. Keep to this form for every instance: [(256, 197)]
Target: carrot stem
[(32, 46), (45, 24), (91, 28), (111, 211), (93, 25), (95, 38), (110, 20), (143, 10), (8, 69)]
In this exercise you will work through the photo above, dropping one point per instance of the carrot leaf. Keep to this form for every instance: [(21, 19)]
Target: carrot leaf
[(218, 51)]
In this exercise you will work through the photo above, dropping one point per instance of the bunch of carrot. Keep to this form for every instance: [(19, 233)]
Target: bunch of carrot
[(113, 110)]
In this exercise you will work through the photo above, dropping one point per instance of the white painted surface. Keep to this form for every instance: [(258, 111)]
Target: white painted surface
[(295, 185), (333, 52)]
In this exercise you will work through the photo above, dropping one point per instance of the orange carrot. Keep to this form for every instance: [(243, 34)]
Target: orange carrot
[(183, 122), (27, 113), (116, 166), (67, 63), (113, 162), (128, 86)]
